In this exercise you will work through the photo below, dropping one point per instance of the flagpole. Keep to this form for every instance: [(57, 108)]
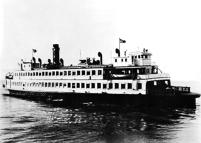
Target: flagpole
[(119, 47), (32, 56), (80, 53)]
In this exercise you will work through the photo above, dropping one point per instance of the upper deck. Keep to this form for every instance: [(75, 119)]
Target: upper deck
[(132, 66), (92, 73)]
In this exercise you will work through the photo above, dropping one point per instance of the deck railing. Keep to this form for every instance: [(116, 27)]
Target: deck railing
[(181, 89), (171, 90)]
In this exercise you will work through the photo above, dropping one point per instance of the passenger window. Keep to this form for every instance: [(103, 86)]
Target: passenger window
[(83, 72), (92, 85), (50, 73), (129, 85), (166, 82), (53, 73), (110, 85), (104, 86), (46, 73), (60, 84), (73, 85), (69, 72), (98, 85), (82, 85), (99, 72), (123, 86), (43, 73), (88, 85), (139, 85), (78, 72), (74, 72), (88, 72), (61, 73), (69, 85), (57, 72), (78, 85), (65, 72), (93, 72), (116, 85)]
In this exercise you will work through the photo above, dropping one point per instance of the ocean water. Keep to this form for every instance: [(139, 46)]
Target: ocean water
[(30, 121)]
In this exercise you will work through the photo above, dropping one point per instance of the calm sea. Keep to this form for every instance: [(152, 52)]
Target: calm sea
[(30, 121)]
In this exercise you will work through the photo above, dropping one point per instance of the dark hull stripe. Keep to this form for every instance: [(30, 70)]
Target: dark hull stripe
[(181, 100)]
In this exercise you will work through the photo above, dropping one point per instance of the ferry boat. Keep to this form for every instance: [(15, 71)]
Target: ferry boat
[(132, 79)]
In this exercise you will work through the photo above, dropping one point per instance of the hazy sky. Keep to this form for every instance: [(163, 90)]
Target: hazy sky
[(171, 30)]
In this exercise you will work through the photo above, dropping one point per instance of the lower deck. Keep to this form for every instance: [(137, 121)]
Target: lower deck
[(79, 86)]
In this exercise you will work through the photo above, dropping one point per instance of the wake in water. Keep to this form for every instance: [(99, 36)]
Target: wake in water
[(28, 121)]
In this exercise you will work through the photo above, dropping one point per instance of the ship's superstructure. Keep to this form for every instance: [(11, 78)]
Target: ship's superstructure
[(131, 76)]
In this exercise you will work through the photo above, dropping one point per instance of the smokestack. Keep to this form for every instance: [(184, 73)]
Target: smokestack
[(56, 58), (101, 58), (118, 52), (40, 62), (34, 60), (88, 61), (61, 62), (49, 61)]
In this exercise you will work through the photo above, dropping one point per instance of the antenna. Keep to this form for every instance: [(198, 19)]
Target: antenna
[(138, 48), (110, 56), (80, 53), (125, 53)]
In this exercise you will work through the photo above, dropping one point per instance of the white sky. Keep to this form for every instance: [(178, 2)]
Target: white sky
[(171, 30)]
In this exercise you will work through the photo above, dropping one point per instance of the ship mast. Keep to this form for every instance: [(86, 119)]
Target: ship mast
[(121, 41)]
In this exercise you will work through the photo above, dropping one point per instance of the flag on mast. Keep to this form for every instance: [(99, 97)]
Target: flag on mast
[(34, 50), (122, 41)]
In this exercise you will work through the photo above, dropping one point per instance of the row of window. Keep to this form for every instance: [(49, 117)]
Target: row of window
[(139, 56), (60, 73), (77, 85), (122, 60)]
